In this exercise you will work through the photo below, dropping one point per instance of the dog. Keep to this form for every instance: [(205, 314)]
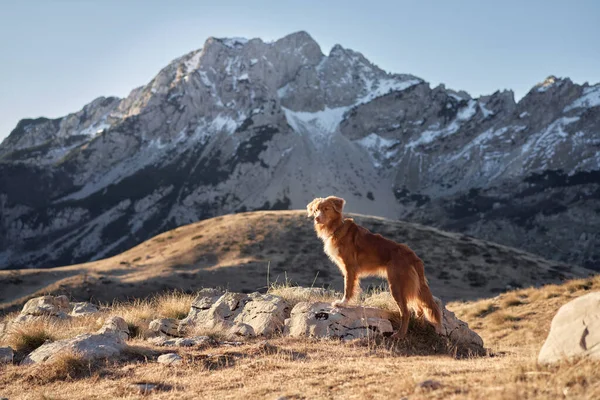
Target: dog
[(357, 252)]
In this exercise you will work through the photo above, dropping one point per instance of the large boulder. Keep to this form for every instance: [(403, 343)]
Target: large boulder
[(323, 320), (109, 341), (265, 314), (575, 331)]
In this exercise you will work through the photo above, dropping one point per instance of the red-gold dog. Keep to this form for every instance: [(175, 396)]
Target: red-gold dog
[(358, 252)]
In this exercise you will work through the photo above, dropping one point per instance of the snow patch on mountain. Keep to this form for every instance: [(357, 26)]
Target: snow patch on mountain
[(193, 62), (233, 42), (380, 149), (380, 87), (590, 98), (318, 124), (434, 132)]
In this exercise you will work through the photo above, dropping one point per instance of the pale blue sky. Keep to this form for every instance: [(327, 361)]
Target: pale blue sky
[(58, 55)]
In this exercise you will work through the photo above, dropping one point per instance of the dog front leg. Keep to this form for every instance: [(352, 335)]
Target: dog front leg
[(349, 288)]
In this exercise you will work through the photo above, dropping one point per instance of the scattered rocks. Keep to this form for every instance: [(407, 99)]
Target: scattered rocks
[(6, 355), (165, 326), (575, 331), (323, 320), (238, 313), (170, 359)]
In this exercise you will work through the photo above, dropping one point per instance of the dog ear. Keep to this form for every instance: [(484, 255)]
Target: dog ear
[(338, 203), (311, 208)]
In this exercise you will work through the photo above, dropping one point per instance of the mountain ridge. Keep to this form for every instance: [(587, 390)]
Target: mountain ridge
[(246, 125)]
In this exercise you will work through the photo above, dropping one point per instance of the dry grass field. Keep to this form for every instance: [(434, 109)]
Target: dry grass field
[(513, 325)]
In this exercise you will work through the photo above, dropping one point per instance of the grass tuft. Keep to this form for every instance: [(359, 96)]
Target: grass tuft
[(173, 305), (65, 366), (28, 336)]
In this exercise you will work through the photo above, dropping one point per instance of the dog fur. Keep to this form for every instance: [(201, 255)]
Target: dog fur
[(358, 252)]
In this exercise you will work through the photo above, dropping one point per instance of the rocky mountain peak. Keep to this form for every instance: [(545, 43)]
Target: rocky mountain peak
[(244, 124)]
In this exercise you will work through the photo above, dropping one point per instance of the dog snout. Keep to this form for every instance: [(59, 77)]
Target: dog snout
[(319, 217)]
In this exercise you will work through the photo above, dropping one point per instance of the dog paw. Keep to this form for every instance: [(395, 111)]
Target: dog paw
[(339, 303)]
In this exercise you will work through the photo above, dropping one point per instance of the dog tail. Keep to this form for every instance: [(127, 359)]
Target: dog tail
[(431, 310)]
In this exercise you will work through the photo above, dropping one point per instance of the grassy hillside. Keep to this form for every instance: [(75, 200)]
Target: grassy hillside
[(243, 252), (513, 326)]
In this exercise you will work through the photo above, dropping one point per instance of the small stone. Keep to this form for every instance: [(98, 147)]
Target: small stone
[(144, 388), (6, 355), (82, 309), (115, 325), (197, 341), (240, 329), (170, 359), (165, 326), (429, 385)]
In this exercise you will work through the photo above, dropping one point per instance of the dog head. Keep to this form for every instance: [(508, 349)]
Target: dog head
[(325, 209)]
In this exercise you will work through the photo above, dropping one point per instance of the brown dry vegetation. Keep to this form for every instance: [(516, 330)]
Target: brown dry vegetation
[(303, 368)]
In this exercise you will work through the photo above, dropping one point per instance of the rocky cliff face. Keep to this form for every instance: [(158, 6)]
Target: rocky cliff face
[(244, 125)]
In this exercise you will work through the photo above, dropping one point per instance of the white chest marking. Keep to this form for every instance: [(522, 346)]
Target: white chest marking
[(332, 251)]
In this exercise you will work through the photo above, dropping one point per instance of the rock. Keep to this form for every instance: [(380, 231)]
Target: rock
[(165, 326), (322, 320), (265, 313), (89, 346), (82, 309), (47, 306), (310, 293), (428, 386), (459, 333), (115, 325), (170, 359), (6, 355), (146, 388), (240, 329), (575, 331), (197, 341), (200, 309), (241, 314)]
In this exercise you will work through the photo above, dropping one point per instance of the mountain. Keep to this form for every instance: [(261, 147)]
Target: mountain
[(245, 251), (243, 125)]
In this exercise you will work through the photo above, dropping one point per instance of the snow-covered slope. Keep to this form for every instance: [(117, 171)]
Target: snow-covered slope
[(244, 125)]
